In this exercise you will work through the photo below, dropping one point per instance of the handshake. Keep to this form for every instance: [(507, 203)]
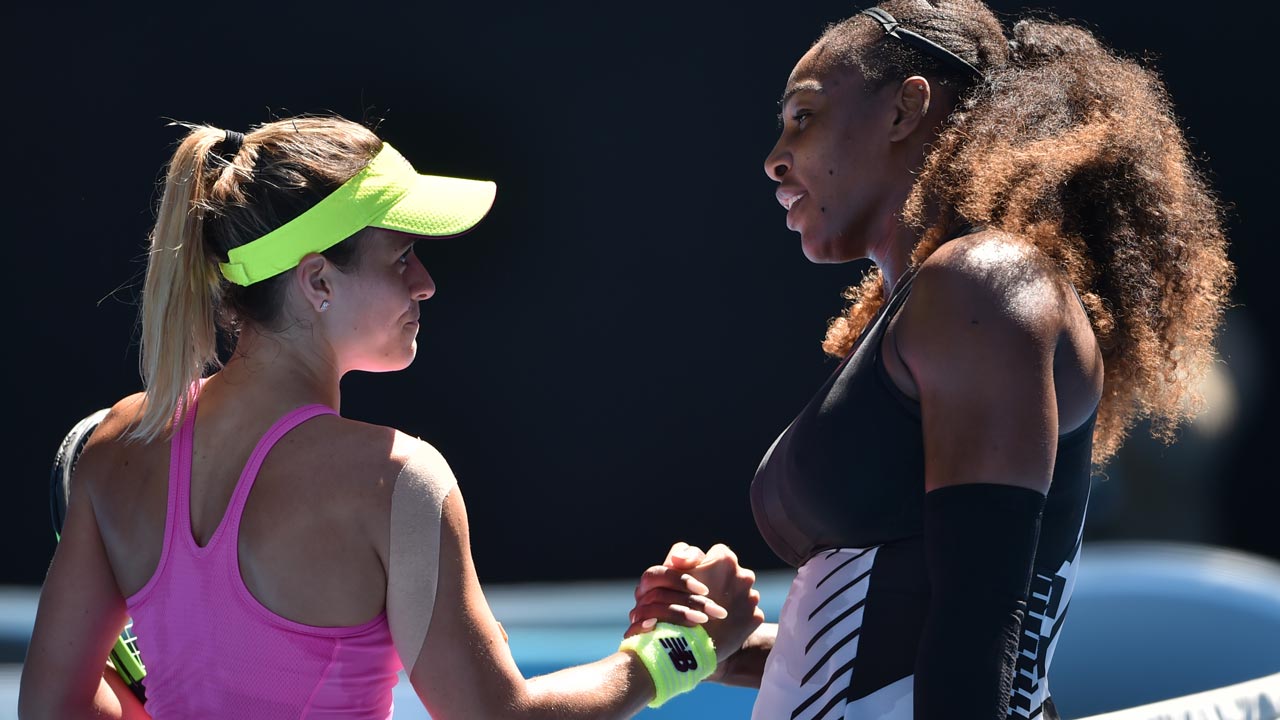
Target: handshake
[(692, 588)]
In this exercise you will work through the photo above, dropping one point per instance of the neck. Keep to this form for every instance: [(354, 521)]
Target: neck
[(892, 246), (897, 241), (892, 252), (893, 255), (280, 371)]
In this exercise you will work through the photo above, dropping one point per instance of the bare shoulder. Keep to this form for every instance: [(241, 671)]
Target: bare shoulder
[(425, 489), (991, 322), (378, 469), (363, 458), (993, 278), (422, 467), (979, 334), (109, 446), (356, 463), (119, 420), (387, 450), (983, 306)]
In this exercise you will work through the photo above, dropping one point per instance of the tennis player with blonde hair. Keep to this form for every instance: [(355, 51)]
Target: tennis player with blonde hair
[(277, 559)]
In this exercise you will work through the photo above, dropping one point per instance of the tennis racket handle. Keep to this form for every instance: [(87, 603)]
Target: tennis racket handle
[(128, 666)]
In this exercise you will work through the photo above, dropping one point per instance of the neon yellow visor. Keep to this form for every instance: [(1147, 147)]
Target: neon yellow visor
[(387, 193)]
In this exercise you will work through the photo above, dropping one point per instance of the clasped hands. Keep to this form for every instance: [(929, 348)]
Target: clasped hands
[(692, 587)]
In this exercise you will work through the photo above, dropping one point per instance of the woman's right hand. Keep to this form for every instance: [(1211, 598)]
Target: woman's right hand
[(727, 594)]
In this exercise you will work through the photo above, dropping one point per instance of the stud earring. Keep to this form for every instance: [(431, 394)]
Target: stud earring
[(324, 305)]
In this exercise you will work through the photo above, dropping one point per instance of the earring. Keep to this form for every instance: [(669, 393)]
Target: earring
[(324, 305)]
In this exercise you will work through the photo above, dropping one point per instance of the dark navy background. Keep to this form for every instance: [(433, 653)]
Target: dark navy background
[(611, 352)]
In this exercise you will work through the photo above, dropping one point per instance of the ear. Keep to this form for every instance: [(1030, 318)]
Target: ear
[(911, 105), (312, 278)]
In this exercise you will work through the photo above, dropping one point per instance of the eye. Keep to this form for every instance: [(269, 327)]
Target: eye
[(404, 257), (797, 118)]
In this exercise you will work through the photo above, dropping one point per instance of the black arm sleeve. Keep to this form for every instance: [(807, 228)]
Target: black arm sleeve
[(980, 545)]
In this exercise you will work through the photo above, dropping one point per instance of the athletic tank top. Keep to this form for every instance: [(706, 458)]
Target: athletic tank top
[(212, 650), (840, 496)]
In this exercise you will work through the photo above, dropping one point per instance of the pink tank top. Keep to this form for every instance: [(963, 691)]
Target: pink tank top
[(212, 650)]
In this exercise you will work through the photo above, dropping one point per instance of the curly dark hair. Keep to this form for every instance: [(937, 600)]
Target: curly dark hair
[(1071, 146)]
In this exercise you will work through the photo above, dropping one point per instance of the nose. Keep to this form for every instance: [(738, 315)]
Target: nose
[(420, 284), (778, 162)]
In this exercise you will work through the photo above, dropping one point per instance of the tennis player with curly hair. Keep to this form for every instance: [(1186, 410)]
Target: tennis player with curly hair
[(1049, 266)]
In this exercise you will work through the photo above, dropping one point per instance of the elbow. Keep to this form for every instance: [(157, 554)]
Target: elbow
[(515, 703), (518, 703)]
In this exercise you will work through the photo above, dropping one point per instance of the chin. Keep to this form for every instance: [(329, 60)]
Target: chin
[(819, 252), (826, 250), (406, 359), (392, 363)]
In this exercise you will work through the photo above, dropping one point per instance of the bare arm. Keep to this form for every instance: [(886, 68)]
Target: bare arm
[(978, 338), (78, 618), (465, 668)]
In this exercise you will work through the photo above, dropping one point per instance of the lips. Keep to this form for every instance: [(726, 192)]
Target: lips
[(788, 197)]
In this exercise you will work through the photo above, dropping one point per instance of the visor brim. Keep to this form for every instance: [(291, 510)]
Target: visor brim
[(438, 206)]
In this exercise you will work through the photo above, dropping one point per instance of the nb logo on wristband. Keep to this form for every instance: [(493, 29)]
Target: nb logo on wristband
[(681, 656)]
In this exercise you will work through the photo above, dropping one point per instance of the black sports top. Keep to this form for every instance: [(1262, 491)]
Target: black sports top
[(840, 495)]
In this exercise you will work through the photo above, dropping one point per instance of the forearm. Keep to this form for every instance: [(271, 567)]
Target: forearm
[(965, 664), (745, 667), (617, 686), (980, 545)]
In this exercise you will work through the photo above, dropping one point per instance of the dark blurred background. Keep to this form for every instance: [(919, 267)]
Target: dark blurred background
[(612, 351)]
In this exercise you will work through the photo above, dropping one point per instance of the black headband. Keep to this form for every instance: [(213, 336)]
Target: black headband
[(231, 141), (923, 44)]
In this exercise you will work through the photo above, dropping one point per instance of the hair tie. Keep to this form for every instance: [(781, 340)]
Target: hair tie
[(232, 141)]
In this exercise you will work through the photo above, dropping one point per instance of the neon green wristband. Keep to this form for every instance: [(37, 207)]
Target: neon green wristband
[(677, 657)]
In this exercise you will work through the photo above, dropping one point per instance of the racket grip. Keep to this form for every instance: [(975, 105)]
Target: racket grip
[(128, 665)]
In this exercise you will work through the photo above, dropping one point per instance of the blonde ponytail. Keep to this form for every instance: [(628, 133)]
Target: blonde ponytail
[(182, 288)]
